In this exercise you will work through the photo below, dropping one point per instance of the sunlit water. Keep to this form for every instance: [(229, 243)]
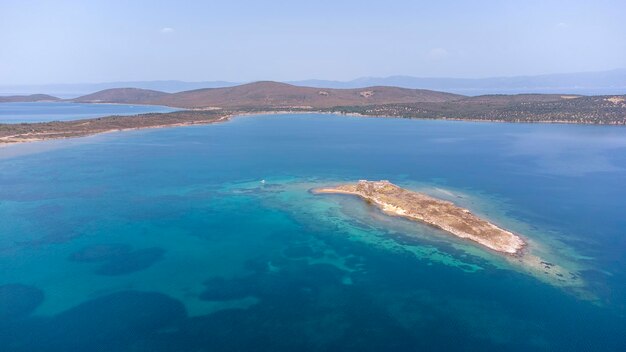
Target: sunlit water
[(64, 111), (207, 239)]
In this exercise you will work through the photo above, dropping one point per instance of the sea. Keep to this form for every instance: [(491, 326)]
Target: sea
[(67, 111), (208, 238)]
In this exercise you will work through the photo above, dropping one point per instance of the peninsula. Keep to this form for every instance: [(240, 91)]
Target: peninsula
[(218, 104), (32, 132), (442, 214)]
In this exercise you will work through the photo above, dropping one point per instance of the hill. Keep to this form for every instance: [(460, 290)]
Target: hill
[(122, 96), (383, 101), (282, 95), (27, 98)]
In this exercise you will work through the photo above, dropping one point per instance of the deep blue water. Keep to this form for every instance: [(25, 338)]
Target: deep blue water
[(168, 240), (62, 111)]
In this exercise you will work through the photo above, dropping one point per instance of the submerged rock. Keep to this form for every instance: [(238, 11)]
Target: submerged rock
[(130, 262), (107, 322)]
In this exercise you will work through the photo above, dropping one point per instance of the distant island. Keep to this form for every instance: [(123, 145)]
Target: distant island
[(217, 104), (27, 98), (442, 214)]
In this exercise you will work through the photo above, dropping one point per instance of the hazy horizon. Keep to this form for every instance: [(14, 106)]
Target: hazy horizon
[(243, 41), (586, 83), (617, 69)]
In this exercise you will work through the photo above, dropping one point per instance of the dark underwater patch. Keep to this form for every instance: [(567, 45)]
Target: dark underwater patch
[(130, 262), (111, 323), (17, 300)]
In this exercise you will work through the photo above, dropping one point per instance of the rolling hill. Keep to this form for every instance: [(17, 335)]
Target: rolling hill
[(122, 96), (270, 95), (378, 101), (27, 98)]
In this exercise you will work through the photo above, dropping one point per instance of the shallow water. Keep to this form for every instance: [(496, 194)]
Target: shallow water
[(167, 239), (63, 111)]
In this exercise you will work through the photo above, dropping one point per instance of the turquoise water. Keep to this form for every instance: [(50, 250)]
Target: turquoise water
[(62, 111), (206, 238)]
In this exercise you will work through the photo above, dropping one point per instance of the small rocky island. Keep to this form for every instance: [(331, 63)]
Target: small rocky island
[(442, 214)]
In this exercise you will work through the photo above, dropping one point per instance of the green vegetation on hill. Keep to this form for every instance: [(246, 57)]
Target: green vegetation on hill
[(269, 95), (212, 105), (609, 110)]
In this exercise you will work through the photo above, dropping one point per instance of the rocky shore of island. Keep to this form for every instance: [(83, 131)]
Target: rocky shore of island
[(441, 214)]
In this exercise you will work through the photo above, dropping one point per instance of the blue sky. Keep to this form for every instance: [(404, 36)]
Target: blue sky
[(100, 41)]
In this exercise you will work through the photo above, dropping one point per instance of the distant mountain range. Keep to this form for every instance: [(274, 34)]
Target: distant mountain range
[(587, 83)]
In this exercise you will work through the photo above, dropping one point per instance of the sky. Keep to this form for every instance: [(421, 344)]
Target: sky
[(44, 42)]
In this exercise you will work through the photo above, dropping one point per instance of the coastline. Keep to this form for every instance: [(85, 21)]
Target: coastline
[(227, 115), (530, 257), (6, 141), (10, 140), (441, 214)]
